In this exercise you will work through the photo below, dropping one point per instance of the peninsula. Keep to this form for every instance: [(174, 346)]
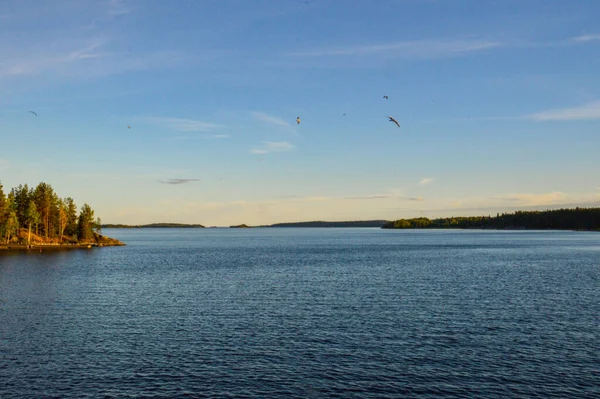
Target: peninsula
[(38, 217), (559, 219)]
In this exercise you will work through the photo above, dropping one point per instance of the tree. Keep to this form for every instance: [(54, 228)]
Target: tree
[(2, 212), (86, 223), (32, 216), (98, 226), (21, 197), (11, 225), (44, 198), (62, 218), (71, 209)]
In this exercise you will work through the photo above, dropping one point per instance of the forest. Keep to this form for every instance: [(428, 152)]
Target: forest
[(152, 226), (557, 219), (39, 211), (358, 223)]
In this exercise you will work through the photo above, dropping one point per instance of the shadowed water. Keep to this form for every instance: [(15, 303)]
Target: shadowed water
[(305, 313)]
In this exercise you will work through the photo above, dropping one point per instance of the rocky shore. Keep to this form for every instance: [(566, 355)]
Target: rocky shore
[(38, 243)]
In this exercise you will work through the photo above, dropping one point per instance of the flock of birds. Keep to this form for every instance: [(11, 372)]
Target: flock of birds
[(392, 119)]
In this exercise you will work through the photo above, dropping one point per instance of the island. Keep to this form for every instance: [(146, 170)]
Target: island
[(587, 219), (357, 223), (35, 218), (153, 226), (240, 226)]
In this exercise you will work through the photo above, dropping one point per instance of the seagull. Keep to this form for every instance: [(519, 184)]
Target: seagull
[(393, 120), (386, 97), (33, 113), (298, 120)]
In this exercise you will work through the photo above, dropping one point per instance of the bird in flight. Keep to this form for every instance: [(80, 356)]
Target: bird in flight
[(33, 113), (386, 97), (298, 120), (128, 127), (393, 120)]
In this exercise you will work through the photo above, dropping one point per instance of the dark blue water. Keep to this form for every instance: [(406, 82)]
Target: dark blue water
[(352, 313)]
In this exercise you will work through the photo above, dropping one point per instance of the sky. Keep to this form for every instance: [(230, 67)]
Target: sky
[(185, 111)]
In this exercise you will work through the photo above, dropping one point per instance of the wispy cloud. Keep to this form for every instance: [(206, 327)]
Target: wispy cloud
[(273, 146), (425, 181), (368, 197), (270, 119), (405, 49), (177, 181), (534, 199), (384, 196), (183, 125), (587, 38), (258, 151), (587, 111), (38, 61), (118, 7)]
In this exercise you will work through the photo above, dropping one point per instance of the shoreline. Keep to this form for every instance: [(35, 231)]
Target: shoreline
[(40, 247)]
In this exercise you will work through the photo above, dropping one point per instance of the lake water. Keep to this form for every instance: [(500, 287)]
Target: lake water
[(303, 313)]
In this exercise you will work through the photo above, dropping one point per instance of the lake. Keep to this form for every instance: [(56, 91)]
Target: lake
[(305, 313)]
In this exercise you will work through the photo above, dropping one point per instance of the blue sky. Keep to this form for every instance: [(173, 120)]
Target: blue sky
[(498, 101)]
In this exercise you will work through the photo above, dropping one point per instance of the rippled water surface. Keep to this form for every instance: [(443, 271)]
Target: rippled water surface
[(352, 313)]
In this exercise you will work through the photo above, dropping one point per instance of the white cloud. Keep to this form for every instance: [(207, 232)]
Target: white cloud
[(425, 181), (405, 49), (273, 146), (278, 146), (526, 199), (36, 61), (587, 111), (177, 181), (183, 125), (117, 7), (270, 119), (586, 38)]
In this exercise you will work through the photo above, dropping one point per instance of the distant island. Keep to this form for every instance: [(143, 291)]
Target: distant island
[(560, 219), (152, 226), (38, 217), (359, 223)]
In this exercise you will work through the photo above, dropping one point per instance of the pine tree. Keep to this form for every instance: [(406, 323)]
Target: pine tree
[(32, 217), (11, 225), (71, 209), (86, 224), (2, 212)]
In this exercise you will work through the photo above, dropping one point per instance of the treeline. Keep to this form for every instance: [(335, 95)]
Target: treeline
[(42, 212), (357, 223), (152, 225), (559, 219)]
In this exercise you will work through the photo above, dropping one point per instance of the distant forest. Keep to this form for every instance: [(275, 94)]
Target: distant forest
[(42, 212), (559, 219), (152, 225), (360, 223)]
